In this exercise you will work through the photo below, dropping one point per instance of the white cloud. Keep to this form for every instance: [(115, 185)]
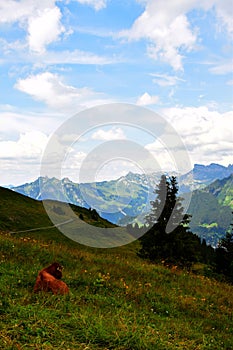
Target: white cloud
[(40, 19), (224, 11), (167, 30), (165, 26), (44, 28), (42, 23), (28, 145), (15, 170), (46, 87), (49, 88), (72, 164), (13, 11), (116, 168), (146, 100), (206, 134), (21, 10), (97, 4), (15, 51), (222, 68), (162, 156), (13, 123), (109, 135), (76, 57), (165, 79)]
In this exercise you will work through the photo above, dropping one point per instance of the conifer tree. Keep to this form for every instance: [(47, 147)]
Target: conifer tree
[(168, 237), (159, 207), (224, 255)]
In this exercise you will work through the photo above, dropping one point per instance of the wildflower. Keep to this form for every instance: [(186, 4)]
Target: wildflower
[(148, 284), (174, 268)]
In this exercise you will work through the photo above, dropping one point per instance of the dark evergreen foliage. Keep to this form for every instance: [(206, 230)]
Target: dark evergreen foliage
[(224, 255), (168, 237), (81, 217), (94, 214), (207, 253)]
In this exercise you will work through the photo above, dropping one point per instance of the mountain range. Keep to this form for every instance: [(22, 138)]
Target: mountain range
[(19, 212), (121, 201)]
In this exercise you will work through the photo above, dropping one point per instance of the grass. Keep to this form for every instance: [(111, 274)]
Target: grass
[(18, 212), (116, 301)]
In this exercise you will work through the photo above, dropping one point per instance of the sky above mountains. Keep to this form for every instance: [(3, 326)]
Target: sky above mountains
[(58, 58)]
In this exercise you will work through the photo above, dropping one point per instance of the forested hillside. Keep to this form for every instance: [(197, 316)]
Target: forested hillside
[(211, 210)]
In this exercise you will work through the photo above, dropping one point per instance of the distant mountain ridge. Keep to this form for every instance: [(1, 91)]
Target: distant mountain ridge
[(203, 175), (212, 172), (121, 201), (200, 177), (19, 212), (112, 199)]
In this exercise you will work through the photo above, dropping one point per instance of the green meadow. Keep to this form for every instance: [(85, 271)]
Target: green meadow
[(116, 300)]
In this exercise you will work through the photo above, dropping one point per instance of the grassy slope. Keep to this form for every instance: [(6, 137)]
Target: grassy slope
[(223, 190), (116, 300), (206, 211), (18, 212)]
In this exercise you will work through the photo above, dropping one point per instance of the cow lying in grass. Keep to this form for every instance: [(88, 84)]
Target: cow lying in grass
[(48, 280)]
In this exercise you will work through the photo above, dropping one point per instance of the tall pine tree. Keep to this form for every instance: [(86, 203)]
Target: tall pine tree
[(168, 237)]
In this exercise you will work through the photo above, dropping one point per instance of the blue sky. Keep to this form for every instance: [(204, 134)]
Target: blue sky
[(60, 57)]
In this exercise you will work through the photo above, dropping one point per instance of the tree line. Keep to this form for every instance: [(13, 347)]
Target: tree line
[(168, 237)]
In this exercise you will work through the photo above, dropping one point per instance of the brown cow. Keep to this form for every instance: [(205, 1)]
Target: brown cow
[(48, 280)]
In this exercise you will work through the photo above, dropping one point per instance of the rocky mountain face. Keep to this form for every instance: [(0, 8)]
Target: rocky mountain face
[(203, 175), (114, 200)]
